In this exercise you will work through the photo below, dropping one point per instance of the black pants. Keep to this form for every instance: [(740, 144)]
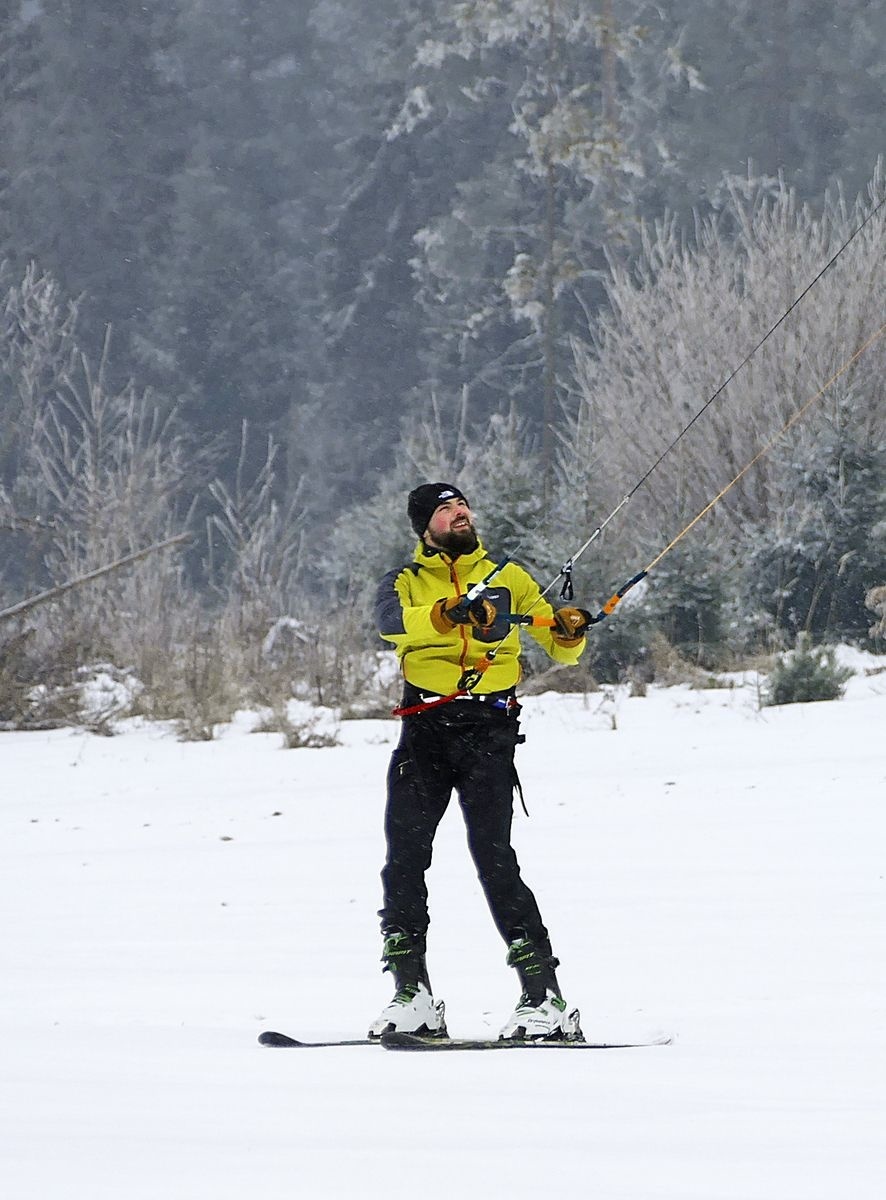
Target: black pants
[(468, 746)]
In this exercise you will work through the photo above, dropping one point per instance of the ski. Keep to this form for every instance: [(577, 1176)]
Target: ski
[(271, 1038), (409, 1041)]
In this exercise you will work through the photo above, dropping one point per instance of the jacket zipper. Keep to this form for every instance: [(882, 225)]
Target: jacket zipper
[(465, 644)]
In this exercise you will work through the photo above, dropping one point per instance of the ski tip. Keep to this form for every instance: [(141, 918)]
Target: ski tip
[(271, 1038)]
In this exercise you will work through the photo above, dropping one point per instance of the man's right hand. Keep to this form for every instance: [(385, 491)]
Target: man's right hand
[(457, 610)]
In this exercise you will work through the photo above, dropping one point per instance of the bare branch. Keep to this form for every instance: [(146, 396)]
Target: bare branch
[(52, 593)]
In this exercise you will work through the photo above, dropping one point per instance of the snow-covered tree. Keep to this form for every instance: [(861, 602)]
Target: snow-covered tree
[(680, 322), (555, 102), (687, 314)]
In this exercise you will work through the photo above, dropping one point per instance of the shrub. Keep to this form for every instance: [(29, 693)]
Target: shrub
[(303, 726), (807, 673)]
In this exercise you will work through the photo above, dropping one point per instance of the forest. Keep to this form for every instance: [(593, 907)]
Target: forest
[(265, 266)]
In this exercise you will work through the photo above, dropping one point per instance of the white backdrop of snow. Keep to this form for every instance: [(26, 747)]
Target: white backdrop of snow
[(706, 868)]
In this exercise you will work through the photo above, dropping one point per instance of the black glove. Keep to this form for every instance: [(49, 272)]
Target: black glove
[(458, 610), (571, 625)]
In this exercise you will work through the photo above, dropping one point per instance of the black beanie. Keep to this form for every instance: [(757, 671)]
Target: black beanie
[(425, 499)]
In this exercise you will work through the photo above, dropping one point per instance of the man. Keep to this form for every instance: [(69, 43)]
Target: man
[(467, 743)]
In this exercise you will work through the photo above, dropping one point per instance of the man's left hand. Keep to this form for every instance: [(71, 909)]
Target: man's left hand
[(571, 624)]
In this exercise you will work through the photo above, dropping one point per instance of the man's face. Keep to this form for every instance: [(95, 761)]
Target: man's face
[(451, 528)]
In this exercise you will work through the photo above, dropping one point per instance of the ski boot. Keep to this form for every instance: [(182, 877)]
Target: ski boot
[(541, 1013), (413, 1009)]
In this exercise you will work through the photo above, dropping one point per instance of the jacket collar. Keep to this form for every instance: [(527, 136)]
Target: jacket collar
[(439, 560)]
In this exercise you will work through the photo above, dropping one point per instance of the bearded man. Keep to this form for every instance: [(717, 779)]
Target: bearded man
[(460, 730)]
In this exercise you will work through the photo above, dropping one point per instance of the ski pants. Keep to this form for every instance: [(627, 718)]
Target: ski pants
[(467, 746)]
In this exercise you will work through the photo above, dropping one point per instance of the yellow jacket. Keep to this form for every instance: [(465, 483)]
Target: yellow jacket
[(435, 661)]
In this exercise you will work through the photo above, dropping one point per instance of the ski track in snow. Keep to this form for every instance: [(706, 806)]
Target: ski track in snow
[(706, 868)]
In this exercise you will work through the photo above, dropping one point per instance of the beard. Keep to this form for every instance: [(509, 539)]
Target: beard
[(459, 541)]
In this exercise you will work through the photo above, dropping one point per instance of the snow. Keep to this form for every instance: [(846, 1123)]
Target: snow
[(707, 869)]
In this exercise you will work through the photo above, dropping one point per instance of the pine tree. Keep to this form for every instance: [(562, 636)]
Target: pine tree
[(389, 171), (811, 67), (810, 572), (233, 291), (498, 272), (89, 146)]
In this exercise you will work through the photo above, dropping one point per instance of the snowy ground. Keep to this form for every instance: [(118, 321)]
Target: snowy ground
[(706, 868)]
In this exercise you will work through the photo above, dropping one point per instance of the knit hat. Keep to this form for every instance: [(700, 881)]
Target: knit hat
[(425, 499)]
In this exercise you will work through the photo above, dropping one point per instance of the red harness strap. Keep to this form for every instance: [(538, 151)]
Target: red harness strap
[(469, 680), (410, 710)]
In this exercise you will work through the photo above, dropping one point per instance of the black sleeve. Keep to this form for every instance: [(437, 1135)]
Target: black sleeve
[(388, 609)]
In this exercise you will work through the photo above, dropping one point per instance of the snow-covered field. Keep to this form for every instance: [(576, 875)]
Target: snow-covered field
[(706, 868)]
